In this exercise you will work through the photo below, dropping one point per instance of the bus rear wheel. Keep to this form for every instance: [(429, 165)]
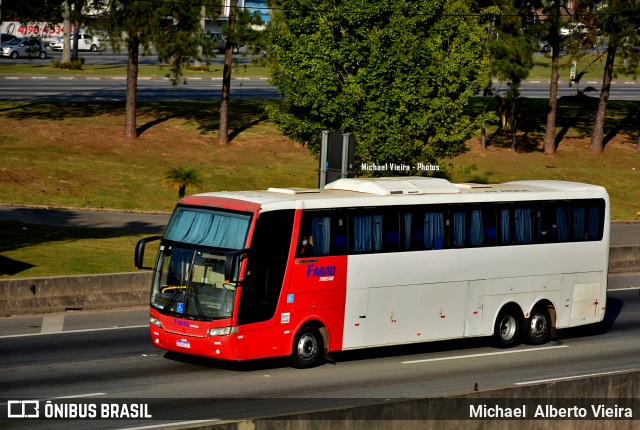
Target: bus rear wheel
[(506, 331), (308, 348), (538, 326)]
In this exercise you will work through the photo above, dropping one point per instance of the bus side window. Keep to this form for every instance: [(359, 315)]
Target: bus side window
[(433, 236), (367, 233), (546, 225), (326, 231), (339, 244), (459, 229), (523, 227), (586, 222), (321, 234)]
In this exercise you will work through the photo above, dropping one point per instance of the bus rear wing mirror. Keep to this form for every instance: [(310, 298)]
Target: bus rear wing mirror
[(138, 258), (232, 264)]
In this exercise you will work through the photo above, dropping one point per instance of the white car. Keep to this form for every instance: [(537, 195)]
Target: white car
[(86, 42)]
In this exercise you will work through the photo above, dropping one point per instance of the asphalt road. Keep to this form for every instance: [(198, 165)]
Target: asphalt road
[(108, 357)]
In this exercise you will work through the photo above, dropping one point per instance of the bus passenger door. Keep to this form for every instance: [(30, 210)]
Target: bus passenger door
[(355, 319)]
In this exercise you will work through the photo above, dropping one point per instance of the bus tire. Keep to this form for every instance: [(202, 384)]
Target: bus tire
[(308, 348), (537, 327), (507, 328)]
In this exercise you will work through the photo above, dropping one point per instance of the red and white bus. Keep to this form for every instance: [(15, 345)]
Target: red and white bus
[(385, 262)]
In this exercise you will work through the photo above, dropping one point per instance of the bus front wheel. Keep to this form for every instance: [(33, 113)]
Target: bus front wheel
[(507, 328), (538, 326), (308, 348)]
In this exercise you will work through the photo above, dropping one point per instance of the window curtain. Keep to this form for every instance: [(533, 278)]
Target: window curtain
[(562, 222), (406, 237), (578, 223), (220, 230), (476, 233), (458, 228), (593, 226), (367, 233), (320, 234), (433, 230), (505, 227), (522, 218)]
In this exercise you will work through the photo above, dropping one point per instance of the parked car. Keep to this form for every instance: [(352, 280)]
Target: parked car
[(216, 42), (24, 47), (5, 37), (56, 42), (86, 42)]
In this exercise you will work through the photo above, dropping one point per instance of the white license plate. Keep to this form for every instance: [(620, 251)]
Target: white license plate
[(183, 343)]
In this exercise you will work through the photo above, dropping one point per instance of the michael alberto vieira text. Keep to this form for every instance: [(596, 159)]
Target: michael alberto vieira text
[(550, 411)]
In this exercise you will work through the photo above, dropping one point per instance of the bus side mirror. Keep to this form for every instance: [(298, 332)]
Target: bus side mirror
[(231, 264), (138, 258)]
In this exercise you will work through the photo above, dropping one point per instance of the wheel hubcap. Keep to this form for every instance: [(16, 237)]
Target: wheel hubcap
[(508, 327), (538, 326), (307, 347)]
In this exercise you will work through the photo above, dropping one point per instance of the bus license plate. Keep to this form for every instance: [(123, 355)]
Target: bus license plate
[(183, 343)]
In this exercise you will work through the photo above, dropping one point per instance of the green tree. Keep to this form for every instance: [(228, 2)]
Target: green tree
[(30, 10), (179, 178), (396, 74), (618, 22), (511, 38), (172, 27), (239, 31)]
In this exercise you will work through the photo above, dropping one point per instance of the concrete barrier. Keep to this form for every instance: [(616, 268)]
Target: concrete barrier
[(59, 293), (624, 259), (605, 401)]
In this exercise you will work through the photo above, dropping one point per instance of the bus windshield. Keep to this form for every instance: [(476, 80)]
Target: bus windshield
[(189, 281), (190, 284), (207, 227)]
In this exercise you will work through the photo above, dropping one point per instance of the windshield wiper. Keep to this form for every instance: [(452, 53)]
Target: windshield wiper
[(193, 292)]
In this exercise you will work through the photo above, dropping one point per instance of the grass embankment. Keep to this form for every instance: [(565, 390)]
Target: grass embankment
[(44, 67), (74, 155)]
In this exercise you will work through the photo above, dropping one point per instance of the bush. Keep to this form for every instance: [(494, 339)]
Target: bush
[(204, 68), (73, 65)]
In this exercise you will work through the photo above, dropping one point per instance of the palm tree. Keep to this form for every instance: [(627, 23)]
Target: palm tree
[(179, 178)]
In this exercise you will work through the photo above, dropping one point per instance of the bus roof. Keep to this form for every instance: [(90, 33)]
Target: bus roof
[(356, 192)]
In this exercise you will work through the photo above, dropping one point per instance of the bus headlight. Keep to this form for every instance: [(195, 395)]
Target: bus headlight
[(222, 331), (156, 322)]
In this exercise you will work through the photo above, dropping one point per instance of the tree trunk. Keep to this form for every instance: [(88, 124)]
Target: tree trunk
[(483, 131), (597, 138), (76, 41), (203, 17), (554, 41), (66, 36), (514, 132), (133, 48), (223, 130), (550, 133)]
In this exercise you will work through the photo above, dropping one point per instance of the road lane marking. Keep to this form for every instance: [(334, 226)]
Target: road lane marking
[(568, 378), (172, 424), (52, 323), (78, 396), (73, 331), (458, 357)]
